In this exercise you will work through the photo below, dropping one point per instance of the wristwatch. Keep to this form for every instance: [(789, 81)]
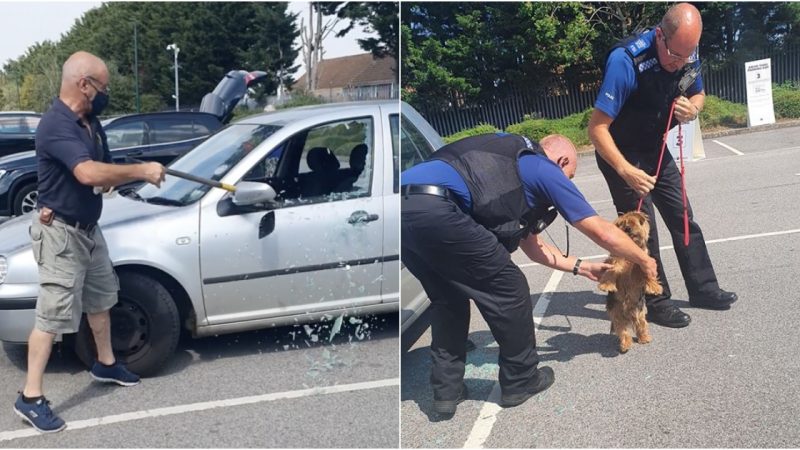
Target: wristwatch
[(576, 266)]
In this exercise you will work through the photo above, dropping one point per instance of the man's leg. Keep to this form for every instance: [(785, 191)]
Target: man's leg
[(449, 329), (100, 295), (40, 344), (100, 324), (695, 263)]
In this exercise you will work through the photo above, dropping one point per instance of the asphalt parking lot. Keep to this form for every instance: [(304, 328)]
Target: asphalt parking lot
[(286, 387), (727, 380)]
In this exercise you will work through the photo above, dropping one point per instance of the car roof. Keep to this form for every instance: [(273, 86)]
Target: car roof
[(284, 116)]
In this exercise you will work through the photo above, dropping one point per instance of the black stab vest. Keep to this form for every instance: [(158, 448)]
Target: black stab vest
[(640, 125), (489, 165)]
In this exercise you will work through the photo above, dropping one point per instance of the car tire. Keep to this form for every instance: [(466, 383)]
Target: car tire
[(145, 326), (25, 200)]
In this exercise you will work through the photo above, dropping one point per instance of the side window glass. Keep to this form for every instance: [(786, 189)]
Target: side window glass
[(163, 131), (11, 124), (128, 134), (414, 147), (330, 162)]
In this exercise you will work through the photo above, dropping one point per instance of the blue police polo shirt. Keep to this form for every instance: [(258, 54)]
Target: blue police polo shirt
[(63, 142), (620, 78), (544, 183)]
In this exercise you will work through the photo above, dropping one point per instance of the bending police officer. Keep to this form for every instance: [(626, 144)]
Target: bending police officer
[(462, 214)]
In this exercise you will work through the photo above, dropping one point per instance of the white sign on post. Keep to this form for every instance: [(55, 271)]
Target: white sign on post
[(692, 142), (758, 75)]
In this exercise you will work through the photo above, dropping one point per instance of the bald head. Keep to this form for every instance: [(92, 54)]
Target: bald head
[(561, 151), (680, 31), (82, 75)]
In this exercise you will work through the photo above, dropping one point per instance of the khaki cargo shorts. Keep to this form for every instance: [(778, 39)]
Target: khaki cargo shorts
[(75, 275)]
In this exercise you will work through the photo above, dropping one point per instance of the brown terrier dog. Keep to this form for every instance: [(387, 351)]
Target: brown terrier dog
[(626, 284)]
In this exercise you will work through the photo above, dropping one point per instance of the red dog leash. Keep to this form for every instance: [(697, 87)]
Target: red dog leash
[(683, 173)]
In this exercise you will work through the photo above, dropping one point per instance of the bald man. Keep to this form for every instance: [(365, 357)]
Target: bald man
[(627, 126), (75, 271), (464, 211)]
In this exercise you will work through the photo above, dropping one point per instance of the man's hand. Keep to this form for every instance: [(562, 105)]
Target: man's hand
[(651, 269), (592, 270), (685, 111), (153, 173), (638, 180)]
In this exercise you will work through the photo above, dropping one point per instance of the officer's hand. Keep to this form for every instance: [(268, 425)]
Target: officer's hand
[(650, 268), (685, 111), (154, 173), (593, 270), (639, 180)]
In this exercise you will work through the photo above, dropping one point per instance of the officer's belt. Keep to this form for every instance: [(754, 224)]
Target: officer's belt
[(432, 189)]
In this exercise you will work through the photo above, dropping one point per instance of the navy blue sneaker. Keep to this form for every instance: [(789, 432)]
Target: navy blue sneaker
[(39, 415), (117, 373)]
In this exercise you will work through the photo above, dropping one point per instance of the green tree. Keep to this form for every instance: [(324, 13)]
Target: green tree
[(378, 17), (214, 38)]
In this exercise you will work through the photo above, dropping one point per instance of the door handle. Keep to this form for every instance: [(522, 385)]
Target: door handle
[(361, 217)]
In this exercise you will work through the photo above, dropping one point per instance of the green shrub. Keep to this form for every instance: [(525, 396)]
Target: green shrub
[(786, 99), (572, 126), (718, 112), (482, 128), (301, 99)]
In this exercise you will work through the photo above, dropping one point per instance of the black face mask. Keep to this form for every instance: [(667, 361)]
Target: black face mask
[(99, 103)]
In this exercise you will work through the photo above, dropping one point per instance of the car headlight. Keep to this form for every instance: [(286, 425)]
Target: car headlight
[(3, 269)]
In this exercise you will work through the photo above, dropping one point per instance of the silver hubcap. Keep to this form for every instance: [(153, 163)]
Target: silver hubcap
[(29, 202)]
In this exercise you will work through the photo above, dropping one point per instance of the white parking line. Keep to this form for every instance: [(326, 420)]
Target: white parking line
[(713, 241), (203, 406), (488, 415), (728, 147)]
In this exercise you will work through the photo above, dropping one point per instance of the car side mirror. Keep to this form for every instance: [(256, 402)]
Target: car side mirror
[(251, 193)]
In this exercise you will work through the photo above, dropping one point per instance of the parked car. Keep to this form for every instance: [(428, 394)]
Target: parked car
[(418, 140), (301, 239), (160, 136), (17, 131)]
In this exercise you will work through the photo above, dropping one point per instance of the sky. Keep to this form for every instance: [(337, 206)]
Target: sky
[(23, 24)]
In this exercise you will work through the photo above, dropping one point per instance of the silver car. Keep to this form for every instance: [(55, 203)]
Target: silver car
[(418, 140), (310, 234)]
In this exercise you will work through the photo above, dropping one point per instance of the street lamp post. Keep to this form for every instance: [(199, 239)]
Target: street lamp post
[(176, 50)]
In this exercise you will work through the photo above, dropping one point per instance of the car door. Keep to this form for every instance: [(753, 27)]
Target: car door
[(318, 247), (391, 199)]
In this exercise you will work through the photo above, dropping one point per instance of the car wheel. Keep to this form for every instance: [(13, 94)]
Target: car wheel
[(145, 326), (25, 200)]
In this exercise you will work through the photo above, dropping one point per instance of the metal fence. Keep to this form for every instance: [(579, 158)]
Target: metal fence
[(509, 107)]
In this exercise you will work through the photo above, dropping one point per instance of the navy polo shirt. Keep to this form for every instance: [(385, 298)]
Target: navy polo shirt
[(544, 182), (620, 78), (63, 142)]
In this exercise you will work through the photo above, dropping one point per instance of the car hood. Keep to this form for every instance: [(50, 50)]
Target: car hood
[(229, 92), (18, 160), (117, 211)]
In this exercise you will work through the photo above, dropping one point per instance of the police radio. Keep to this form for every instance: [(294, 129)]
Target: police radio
[(689, 78)]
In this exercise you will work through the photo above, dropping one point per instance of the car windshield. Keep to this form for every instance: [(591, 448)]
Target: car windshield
[(211, 159)]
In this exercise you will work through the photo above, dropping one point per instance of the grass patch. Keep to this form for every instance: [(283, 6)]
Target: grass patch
[(482, 128)]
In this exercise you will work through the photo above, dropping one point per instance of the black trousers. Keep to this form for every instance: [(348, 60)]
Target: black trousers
[(456, 259), (695, 264)]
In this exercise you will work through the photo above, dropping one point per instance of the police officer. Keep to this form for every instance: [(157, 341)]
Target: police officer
[(463, 212), (641, 82), (75, 271)]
